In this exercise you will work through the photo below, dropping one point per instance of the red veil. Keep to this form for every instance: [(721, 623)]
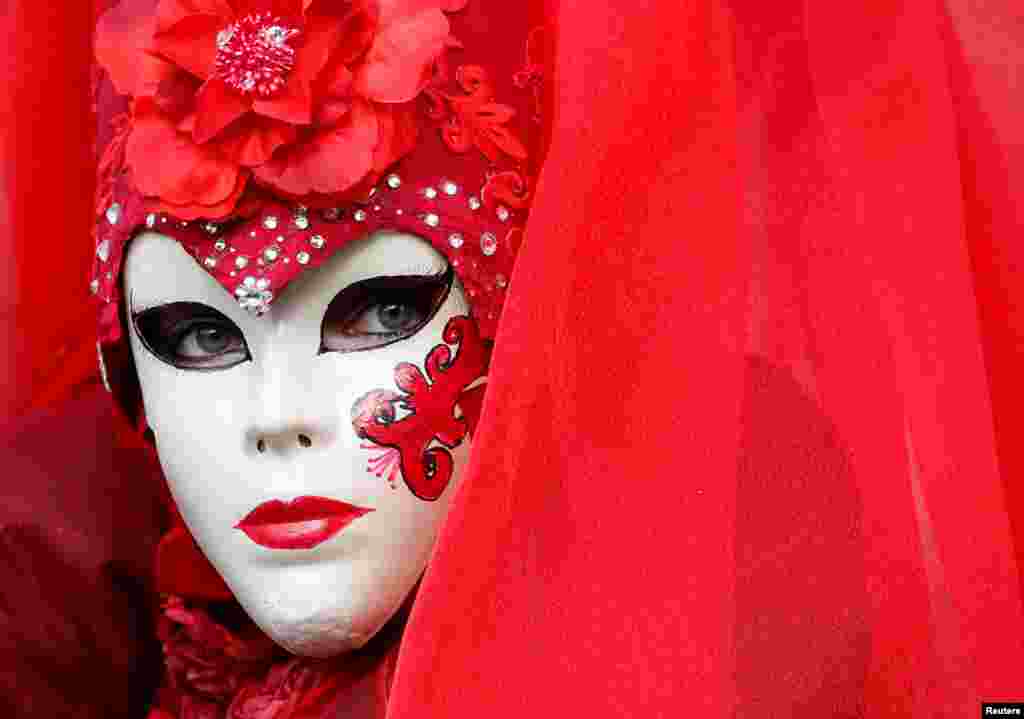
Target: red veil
[(749, 446)]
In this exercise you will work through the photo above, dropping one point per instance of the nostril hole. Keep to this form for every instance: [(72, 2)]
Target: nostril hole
[(305, 441), (261, 446)]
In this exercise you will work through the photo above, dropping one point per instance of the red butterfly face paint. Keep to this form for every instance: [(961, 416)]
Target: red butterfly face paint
[(430, 401)]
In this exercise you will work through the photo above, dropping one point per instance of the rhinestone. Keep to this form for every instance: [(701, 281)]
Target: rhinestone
[(331, 214), (241, 261), (212, 228), (360, 215), (103, 250), (501, 281), (503, 213), (270, 222), (488, 243), (371, 193), (94, 287), (474, 203), (109, 276), (394, 182), (220, 245), (302, 258), (376, 208), (430, 193), (270, 254), (449, 188), (232, 273), (262, 283), (224, 37), (455, 240), (150, 220), (114, 213), (317, 241), (302, 222), (210, 262), (432, 219)]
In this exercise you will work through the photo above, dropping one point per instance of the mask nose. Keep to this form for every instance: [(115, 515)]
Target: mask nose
[(288, 440)]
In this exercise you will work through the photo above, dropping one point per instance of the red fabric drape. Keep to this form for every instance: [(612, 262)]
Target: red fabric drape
[(46, 319), (738, 453)]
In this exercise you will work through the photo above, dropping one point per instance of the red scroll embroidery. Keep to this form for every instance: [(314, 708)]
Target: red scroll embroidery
[(427, 470)]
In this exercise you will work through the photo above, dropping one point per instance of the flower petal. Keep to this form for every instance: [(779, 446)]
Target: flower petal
[(217, 106), (171, 12), (191, 43), (254, 140), (186, 175), (122, 34), (331, 161), (399, 62)]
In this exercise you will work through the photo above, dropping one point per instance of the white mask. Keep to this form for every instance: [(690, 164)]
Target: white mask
[(258, 414)]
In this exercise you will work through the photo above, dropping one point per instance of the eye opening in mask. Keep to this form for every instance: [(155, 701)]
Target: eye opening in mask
[(192, 336), (382, 310)]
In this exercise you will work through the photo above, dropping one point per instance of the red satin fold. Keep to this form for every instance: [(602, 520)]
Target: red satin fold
[(737, 456)]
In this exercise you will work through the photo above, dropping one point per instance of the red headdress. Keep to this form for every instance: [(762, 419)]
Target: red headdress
[(263, 136)]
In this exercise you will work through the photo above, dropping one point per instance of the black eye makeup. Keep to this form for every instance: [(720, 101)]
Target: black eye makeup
[(382, 310), (191, 335)]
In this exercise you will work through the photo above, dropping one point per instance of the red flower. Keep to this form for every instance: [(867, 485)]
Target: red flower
[(310, 98)]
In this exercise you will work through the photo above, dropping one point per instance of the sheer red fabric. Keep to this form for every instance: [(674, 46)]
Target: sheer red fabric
[(738, 455), (750, 446)]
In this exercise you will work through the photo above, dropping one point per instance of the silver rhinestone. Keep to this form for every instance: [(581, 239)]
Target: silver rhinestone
[(94, 287), (249, 282), (488, 243), (103, 250), (210, 262), (262, 283), (474, 203), (376, 208), (151, 220), (360, 215), (220, 245), (394, 182), (432, 220), (430, 193), (456, 239), (270, 254), (270, 222), (241, 261), (212, 228), (109, 276), (302, 258), (449, 188), (114, 213), (501, 281), (232, 273), (224, 37), (317, 241), (503, 213), (301, 221), (398, 211)]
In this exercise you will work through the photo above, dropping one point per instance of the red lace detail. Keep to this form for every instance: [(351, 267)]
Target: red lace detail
[(474, 119), (426, 470)]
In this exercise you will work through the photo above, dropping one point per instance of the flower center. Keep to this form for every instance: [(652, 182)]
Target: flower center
[(253, 54)]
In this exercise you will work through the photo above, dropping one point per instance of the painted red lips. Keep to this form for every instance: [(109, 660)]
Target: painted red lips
[(302, 523)]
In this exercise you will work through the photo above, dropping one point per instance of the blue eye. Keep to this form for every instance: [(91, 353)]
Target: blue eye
[(190, 335), (382, 310)]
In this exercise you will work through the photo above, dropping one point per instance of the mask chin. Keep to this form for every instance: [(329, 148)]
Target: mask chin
[(287, 499)]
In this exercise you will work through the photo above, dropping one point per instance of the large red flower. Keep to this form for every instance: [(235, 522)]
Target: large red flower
[(309, 98)]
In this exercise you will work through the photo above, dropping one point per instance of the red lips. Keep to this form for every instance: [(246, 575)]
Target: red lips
[(302, 523)]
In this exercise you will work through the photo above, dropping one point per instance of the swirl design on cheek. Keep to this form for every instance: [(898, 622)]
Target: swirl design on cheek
[(431, 404)]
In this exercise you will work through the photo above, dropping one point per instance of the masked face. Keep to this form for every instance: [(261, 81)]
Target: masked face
[(312, 451)]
